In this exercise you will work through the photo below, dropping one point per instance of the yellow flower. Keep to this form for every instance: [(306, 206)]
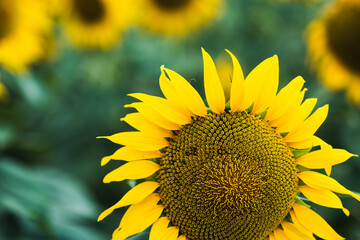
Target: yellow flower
[(95, 23), (230, 171), (24, 26), (333, 45), (175, 17)]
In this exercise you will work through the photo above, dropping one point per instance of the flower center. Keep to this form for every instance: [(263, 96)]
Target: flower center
[(171, 5), (90, 11), (6, 20), (227, 176), (343, 33)]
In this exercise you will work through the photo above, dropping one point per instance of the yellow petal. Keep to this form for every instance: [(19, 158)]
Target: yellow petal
[(154, 116), (160, 230), (139, 122), (309, 126), (170, 110), (237, 86), (254, 81), (323, 158), (134, 195), (269, 86), (182, 237), (225, 72), (191, 99), (147, 210), (213, 89), (129, 154), (138, 140), (307, 143), (287, 120), (299, 226), (313, 222), (326, 146), (299, 115), (323, 197), (319, 142), (171, 94), (328, 170), (271, 236), (292, 232), (284, 99), (167, 88), (320, 181), (132, 170), (280, 234)]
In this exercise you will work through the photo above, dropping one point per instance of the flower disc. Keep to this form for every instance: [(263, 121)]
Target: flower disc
[(5, 19), (171, 4), (90, 11), (227, 176), (343, 33)]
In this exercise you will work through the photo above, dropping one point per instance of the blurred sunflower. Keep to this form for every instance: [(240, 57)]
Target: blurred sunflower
[(24, 26), (175, 17), (95, 23), (230, 171), (333, 45)]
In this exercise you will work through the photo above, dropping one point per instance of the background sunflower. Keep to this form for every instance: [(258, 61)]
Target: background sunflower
[(95, 23), (51, 185), (333, 45), (24, 27), (176, 17)]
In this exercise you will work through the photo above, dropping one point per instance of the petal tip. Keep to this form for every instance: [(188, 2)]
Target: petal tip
[(105, 160)]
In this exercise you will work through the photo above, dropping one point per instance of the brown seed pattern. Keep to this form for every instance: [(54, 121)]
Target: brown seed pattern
[(227, 176)]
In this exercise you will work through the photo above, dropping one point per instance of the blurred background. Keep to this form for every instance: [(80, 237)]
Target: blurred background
[(73, 88)]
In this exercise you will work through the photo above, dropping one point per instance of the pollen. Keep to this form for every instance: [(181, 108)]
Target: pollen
[(227, 176)]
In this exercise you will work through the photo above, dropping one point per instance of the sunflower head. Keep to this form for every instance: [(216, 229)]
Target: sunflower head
[(228, 171), (343, 34), (235, 172), (175, 17), (95, 23), (333, 44), (24, 26), (6, 18), (171, 5), (89, 11)]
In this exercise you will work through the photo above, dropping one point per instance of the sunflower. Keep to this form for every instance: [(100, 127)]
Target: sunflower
[(95, 23), (230, 171), (333, 46), (24, 26), (175, 17)]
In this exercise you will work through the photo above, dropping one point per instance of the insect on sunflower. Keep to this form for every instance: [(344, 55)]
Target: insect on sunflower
[(230, 171)]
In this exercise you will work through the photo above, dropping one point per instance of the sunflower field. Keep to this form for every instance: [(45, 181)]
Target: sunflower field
[(179, 119)]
